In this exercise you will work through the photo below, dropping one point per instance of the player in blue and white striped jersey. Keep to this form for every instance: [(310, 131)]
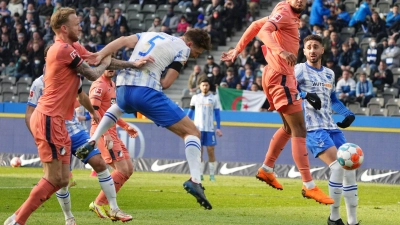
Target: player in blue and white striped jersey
[(204, 106), (323, 136)]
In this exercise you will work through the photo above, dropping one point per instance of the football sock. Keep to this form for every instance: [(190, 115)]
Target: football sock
[(276, 146), (39, 194), (193, 156), (335, 188), (300, 156), (109, 192), (202, 168), (267, 168), (64, 200), (350, 193), (109, 119), (212, 167)]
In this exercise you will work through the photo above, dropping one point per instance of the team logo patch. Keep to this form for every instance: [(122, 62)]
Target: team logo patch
[(98, 91), (74, 54), (31, 94), (276, 18)]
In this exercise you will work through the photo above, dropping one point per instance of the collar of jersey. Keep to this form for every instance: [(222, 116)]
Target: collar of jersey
[(318, 70)]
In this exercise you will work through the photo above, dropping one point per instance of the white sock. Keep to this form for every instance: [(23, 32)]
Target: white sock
[(212, 167), (193, 156), (202, 168), (335, 187), (309, 184), (109, 119), (65, 202), (350, 192), (267, 168), (107, 185)]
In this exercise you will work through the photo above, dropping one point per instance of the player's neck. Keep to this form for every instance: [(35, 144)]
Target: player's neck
[(205, 93), (64, 38), (317, 65)]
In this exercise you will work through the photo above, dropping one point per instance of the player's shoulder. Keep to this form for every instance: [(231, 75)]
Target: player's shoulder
[(329, 71), (283, 8), (298, 68), (99, 83), (38, 82)]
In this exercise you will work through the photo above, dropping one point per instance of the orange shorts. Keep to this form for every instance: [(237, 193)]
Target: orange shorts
[(51, 137), (117, 153), (281, 91)]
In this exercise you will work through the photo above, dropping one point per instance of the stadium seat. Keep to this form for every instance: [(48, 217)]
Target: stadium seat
[(350, 6), (1, 98), (264, 4), (360, 36), (133, 9), (8, 81), (27, 80), (395, 114), (366, 70), (393, 91), (10, 98), (379, 112), (23, 90), (354, 106), (149, 9), (180, 9), (86, 88), (346, 33), (362, 112), (8, 89), (102, 6), (384, 6), (364, 44), (86, 82), (185, 101), (394, 101), (149, 19), (163, 8), (137, 18), (391, 108), (23, 97), (113, 2), (136, 27), (387, 96), (121, 6), (375, 103)]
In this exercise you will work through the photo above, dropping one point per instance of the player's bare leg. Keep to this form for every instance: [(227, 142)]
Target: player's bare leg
[(186, 129), (211, 162), (300, 156)]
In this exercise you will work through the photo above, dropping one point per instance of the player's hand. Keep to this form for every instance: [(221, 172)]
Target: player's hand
[(346, 122), (108, 142), (141, 62), (131, 131), (314, 100), (289, 57), (218, 132), (229, 56), (93, 59), (96, 117)]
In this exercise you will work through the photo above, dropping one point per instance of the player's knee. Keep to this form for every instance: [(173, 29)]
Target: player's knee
[(194, 132), (97, 163), (298, 130)]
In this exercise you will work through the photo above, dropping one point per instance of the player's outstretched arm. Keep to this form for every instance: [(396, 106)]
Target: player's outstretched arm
[(117, 64), (93, 73), (339, 107), (85, 101)]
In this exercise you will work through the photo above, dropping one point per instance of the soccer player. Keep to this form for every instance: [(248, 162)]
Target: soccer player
[(102, 96), (323, 135), (140, 90), (204, 106), (279, 32), (56, 105)]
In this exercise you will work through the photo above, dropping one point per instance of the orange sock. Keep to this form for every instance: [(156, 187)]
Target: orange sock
[(119, 180), (276, 146), (300, 156), (39, 194)]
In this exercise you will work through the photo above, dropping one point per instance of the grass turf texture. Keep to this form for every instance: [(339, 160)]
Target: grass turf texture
[(159, 198)]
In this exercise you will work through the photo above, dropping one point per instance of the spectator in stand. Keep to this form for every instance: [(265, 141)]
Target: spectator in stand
[(186, 3), (382, 76), (372, 55), (230, 78), (334, 55), (194, 77), (15, 19), (194, 10), (36, 59), (170, 21), (244, 58), (304, 31), (108, 38), (318, 13), (105, 17), (349, 60), (58, 5), (391, 54), (28, 20), (330, 63), (6, 48), (94, 38), (4, 12), (215, 79), (247, 80), (99, 30), (35, 38), (156, 25), (256, 54), (200, 22), (254, 87), (45, 10), (182, 26), (343, 17), (23, 67), (215, 28), (123, 31), (359, 17), (92, 12), (20, 46), (112, 26), (239, 86), (15, 6), (346, 88), (214, 6), (9, 70), (354, 46), (364, 90), (229, 16), (392, 16), (241, 9), (225, 65), (242, 69), (329, 44), (120, 19), (208, 67), (91, 25), (253, 6), (258, 81), (48, 33), (376, 27)]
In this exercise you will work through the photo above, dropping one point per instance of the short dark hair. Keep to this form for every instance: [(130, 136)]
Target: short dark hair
[(199, 37), (313, 37), (206, 80), (349, 71)]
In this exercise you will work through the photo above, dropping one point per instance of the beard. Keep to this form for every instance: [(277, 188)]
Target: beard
[(73, 37), (316, 59), (297, 10)]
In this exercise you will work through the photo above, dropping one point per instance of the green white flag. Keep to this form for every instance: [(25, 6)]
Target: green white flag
[(240, 100)]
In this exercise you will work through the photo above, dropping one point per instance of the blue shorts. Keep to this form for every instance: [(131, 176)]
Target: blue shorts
[(208, 138), (79, 139), (153, 104), (318, 141)]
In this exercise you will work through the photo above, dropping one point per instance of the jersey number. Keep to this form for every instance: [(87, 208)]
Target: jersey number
[(152, 44)]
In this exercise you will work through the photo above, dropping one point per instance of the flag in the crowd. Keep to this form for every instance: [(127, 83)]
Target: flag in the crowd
[(240, 100)]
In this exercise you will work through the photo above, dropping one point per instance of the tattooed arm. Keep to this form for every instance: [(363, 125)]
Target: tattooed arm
[(120, 64), (93, 73)]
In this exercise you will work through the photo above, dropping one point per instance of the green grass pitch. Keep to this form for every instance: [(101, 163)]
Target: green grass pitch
[(159, 198)]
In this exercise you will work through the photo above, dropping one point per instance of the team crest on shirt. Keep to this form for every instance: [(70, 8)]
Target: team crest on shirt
[(276, 18), (74, 54), (31, 94), (98, 91)]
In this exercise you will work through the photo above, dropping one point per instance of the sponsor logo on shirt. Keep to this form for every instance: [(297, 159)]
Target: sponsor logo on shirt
[(321, 84), (98, 91)]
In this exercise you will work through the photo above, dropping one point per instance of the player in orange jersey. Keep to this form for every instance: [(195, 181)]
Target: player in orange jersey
[(63, 63), (279, 33), (102, 95)]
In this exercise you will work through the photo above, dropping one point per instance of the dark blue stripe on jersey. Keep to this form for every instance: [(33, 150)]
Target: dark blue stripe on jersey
[(287, 92), (112, 154), (48, 137), (276, 28)]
